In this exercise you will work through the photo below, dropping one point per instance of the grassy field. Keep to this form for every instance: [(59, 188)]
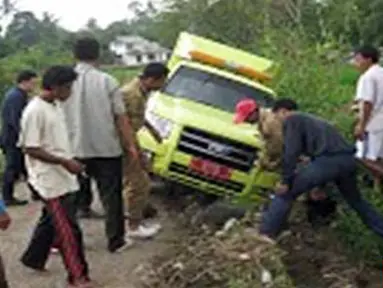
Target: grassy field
[(123, 74)]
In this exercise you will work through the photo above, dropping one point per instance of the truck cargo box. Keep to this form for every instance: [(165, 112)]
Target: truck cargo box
[(196, 48)]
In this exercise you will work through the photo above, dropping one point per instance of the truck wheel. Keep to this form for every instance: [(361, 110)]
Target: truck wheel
[(177, 196), (158, 185), (217, 214)]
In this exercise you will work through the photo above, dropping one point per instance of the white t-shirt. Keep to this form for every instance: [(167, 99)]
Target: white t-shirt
[(43, 126), (370, 89)]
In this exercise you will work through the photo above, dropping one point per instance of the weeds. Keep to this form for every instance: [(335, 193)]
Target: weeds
[(325, 87)]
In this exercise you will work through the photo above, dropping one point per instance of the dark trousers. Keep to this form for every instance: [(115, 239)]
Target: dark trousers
[(107, 173), (3, 278), (14, 168), (58, 224), (340, 169)]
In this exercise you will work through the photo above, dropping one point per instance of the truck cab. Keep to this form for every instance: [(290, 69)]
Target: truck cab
[(196, 142)]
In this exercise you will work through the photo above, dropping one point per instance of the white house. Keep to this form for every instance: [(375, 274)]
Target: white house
[(136, 51)]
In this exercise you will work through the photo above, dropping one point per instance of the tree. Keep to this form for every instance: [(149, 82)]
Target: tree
[(49, 30), (23, 31), (92, 25), (247, 23), (7, 7)]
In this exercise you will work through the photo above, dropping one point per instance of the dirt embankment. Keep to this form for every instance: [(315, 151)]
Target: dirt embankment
[(236, 256), (189, 254)]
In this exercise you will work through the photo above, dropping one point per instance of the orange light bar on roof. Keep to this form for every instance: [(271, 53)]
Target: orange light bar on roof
[(218, 62)]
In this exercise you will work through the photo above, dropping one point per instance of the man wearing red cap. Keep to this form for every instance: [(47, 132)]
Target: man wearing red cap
[(319, 206), (248, 111)]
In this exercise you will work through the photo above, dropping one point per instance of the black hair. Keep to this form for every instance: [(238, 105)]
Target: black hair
[(57, 76), (155, 70), (370, 52), (86, 49), (286, 103), (25, 75)]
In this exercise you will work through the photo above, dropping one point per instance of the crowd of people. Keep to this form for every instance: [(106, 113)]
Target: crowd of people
[(82, 126)]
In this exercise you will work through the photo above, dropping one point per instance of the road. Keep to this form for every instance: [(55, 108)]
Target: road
[(107, 270)]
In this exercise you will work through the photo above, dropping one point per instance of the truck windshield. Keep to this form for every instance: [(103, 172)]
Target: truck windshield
[(213, 90)]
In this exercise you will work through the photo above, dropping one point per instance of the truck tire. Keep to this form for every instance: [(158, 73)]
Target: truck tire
[(218, 213)]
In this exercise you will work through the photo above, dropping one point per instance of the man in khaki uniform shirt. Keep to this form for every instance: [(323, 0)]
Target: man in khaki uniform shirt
[(247, 110), (136, 178), (271, 129)]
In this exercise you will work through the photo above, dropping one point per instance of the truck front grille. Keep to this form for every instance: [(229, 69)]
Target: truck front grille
[(226, 184), (224, 151)]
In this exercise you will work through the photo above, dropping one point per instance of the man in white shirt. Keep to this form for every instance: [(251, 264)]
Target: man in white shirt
[(369, 97), (52, 173)]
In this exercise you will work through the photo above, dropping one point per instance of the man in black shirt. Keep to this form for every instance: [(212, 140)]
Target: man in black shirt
[(13, 105), (332, 160)]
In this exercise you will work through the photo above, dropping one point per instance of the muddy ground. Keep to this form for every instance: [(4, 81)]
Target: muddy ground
[(314, 259), (317, 259)]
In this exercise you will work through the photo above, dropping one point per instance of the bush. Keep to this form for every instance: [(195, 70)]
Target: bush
[(36, 58)]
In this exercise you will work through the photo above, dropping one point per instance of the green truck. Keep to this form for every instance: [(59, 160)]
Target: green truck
[(197, 145)]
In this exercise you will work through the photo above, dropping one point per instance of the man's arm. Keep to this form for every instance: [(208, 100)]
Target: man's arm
[(292, 149), (43, 156), (122, 122), (127, 135), (366, 111), (71, 165), (12, 110), (153, 131), (366, 95), (15, 106)]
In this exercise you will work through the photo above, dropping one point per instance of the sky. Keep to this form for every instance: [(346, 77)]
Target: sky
[(74, 14)]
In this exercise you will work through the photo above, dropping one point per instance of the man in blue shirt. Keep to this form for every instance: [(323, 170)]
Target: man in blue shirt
[(331, 160), (13, 105), (5, 221)]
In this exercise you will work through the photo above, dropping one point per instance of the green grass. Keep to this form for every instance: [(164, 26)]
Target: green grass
[(325, 87), (360, 242), (123, 74)]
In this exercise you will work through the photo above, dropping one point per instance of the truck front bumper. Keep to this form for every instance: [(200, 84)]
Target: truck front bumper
[(172, 165)]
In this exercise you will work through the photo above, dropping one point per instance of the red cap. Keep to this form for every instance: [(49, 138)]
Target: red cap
[(244, 109)]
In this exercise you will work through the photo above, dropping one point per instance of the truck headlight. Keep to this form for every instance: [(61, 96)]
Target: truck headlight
[(163, 126)]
